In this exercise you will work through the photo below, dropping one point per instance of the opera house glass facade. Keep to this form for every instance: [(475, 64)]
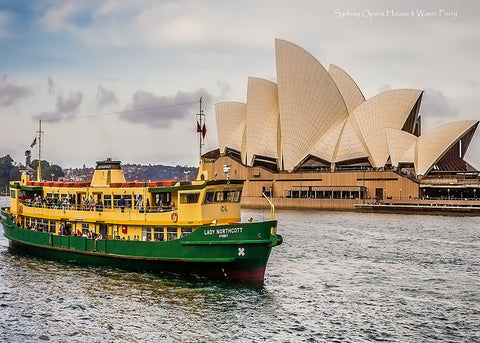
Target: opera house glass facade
[(312, 140)]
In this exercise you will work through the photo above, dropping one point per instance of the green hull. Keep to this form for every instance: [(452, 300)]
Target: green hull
[(232, 252)]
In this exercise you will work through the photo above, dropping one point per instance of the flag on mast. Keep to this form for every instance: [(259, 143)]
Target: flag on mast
[(33, 143), (201, 129)]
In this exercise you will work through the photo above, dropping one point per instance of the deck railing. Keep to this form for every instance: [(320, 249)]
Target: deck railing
[(98, 207)]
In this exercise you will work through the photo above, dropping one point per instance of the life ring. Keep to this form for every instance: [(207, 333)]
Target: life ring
[(174, 217), (20, 209)]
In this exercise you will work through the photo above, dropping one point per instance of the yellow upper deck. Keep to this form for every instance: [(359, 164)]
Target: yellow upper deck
[(109, 199)]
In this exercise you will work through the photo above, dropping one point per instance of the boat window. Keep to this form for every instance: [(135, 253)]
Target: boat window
[(165, 198), (98, 198), (42, 224), (209, 197), (237, 196), (128, 201), (158, 234), (52, 226), (219, 196), (55, 196), (189, 198), (49, 196), (193, 198), (85, 228), (227, 196), (138, 201), (12, 194), (186, 230), (172, 233), (107, 201), (146, 233), (116, 200)]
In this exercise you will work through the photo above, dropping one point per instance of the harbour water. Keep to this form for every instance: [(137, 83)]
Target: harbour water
[(338, 277)]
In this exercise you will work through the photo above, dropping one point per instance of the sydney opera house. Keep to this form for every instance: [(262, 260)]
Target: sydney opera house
[(311, 139)]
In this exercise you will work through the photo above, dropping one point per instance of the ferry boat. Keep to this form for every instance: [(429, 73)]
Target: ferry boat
[(186, 227)]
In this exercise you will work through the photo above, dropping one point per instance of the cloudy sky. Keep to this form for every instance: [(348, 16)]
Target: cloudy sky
[(120, 78)]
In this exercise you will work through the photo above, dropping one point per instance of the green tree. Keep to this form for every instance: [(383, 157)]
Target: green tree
[(10, 172), (34, 166), (54, 170), (15, 174), (6, 166)]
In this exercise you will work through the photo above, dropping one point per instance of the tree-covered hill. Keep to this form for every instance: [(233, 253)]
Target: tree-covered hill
[(9, 170)]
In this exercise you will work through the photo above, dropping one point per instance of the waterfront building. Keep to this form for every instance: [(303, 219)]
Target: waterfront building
[(312, 140)]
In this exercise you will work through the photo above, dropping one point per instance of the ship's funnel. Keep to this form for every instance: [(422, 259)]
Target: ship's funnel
[(107, 172)]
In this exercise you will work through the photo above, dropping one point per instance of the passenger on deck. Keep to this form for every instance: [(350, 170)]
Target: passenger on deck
[(139, 203), (92, 203), (64, 204), (122, 204)]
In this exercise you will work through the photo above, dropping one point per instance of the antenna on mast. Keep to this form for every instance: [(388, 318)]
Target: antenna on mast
[(201, 130), (39, 135)]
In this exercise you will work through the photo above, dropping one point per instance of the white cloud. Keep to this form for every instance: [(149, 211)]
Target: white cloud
[(105, 97), (51, 87), (161, 111), (186, 25), (11, 93), (59, 16), (65, 108)]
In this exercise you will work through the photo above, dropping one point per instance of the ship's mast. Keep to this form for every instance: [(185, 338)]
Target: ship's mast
[(39, 135), (201, 130)]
